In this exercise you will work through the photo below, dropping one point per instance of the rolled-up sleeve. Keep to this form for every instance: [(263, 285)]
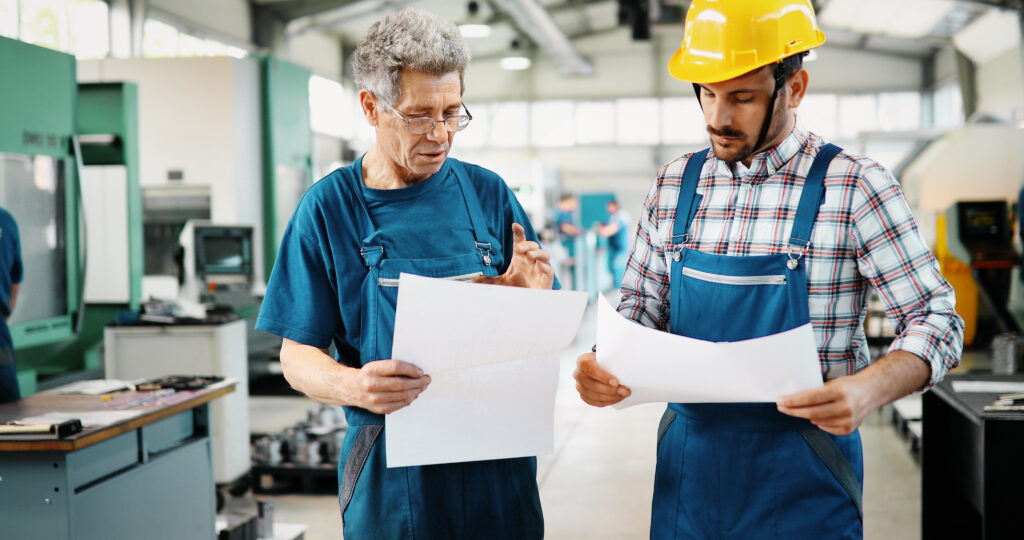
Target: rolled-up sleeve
[(893, 257), (645, 284)]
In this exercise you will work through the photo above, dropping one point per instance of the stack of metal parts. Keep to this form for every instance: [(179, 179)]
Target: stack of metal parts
[(314, 442), (1007, 350)]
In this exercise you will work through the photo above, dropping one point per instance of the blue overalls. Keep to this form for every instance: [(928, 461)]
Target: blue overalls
[(486, 499), (746, 470)]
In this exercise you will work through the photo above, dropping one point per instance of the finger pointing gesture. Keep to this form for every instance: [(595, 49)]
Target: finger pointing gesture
[(530, 265)]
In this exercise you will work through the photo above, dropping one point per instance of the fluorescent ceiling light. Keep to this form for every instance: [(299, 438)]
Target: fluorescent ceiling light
[(475, 30), (536, 22), (905, 18), (237, 52), (989, 36), (515, 63)]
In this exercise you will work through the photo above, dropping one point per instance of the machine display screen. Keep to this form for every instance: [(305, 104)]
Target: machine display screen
[(223, 253), (983, 222), (32, 190)]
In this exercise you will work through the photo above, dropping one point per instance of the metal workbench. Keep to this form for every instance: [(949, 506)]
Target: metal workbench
[(150, 476)]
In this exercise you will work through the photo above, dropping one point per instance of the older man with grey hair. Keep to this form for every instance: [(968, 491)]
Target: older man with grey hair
[(404, 206)]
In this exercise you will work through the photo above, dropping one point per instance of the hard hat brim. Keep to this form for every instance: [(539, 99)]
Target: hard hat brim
[(693, 68)]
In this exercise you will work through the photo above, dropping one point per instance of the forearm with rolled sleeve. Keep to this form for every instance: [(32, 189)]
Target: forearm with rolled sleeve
[(893, 257), (645, 285)]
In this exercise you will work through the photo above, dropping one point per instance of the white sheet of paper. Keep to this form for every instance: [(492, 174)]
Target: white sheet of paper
[(987, 387), (492, 356), (663, 367)]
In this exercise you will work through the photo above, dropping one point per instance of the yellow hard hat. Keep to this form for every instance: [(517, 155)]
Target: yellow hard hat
[(723, 39)]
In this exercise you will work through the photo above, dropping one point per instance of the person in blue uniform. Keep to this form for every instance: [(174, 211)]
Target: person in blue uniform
[(616, 230), (771, 229), (404, 206), (10, 276), (567, 230)]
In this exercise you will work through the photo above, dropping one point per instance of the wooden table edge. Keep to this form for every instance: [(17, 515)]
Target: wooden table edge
[(70, 445)]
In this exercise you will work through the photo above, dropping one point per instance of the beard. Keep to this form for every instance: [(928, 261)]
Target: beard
[(738, 149), (742, 145)]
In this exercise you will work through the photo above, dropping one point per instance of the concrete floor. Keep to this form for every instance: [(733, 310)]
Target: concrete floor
[(598, 483)]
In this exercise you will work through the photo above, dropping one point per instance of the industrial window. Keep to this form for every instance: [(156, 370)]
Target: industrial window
[(637, 122), (857, 113), (161, 39), (948, 106), (331, 108), (79, 27), (682, 121), (9, 18), (45, 23), (899, 111), (509, 124), (476, 134), (819, 113), (189, 45), (89, 28), (595, 122), (552, 123)]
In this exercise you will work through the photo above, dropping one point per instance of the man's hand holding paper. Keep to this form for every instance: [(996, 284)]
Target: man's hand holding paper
[(653, 366)]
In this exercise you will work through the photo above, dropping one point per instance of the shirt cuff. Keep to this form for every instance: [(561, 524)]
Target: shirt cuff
[(925, 347)]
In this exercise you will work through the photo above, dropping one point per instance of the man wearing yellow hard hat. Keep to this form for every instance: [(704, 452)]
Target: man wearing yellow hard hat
[(770, 229)]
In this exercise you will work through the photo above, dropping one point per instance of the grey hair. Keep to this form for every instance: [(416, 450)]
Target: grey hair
[(409, 39)]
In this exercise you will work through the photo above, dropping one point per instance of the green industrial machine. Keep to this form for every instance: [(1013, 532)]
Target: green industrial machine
[(39, 185), (108, 131), (287, 148), (55, 137)]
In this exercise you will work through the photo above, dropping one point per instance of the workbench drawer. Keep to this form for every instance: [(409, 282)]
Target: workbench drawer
[(102, 459), (160, 436)]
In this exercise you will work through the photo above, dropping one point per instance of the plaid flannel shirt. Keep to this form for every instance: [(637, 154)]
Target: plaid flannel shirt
[(864, 237)]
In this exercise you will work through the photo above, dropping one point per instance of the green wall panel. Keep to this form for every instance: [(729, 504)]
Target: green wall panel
[(287, 143)]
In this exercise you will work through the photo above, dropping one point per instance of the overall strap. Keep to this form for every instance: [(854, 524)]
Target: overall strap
[(826, 448), (687, 191), (484, 242), (810, 199), (372, 245)]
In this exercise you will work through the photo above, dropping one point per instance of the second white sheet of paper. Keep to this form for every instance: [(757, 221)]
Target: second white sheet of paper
[(492, 355), (659, 366)]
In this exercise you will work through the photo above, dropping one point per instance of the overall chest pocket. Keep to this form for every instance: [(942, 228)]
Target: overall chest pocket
[(725, 279)]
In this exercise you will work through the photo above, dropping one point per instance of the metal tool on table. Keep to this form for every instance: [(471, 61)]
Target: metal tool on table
[(61, 430), (1007, 403)]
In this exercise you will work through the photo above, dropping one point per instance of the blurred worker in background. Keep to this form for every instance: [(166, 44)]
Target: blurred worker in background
[(567, 230), (404, 206), (616, 230), (771, 229), (11, 272)]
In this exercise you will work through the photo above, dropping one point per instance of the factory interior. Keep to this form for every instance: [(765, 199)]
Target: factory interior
[(153, 154)]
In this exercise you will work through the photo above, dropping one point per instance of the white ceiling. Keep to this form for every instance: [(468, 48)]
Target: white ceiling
[(858, 24)]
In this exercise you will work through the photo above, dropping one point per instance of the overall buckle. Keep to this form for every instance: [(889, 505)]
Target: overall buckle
[(371, 255), (485, 252), (794, 258)]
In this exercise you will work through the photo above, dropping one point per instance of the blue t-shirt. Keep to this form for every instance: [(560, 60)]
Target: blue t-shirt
[(10, 270), (314, 292)]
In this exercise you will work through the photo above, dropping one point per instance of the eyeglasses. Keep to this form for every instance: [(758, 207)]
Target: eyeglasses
[(425, 124)]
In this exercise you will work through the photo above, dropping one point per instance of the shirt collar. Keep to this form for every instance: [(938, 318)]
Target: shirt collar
[(764, 164)]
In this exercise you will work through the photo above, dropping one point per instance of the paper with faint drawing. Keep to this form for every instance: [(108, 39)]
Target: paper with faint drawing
[(492, 356), (663, 367)]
